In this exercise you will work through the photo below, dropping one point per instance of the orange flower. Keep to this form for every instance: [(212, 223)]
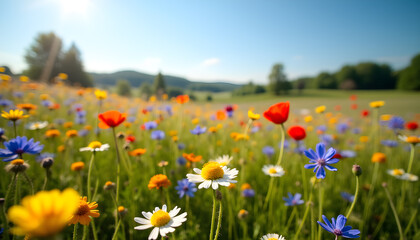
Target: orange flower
[(77, 166), (26, 106), (159, 181), (379, 157), (52, 133), (111, 119), (220, 115), (191, 157), (71, 133), (181, 99), (84, 212), (137, 152)]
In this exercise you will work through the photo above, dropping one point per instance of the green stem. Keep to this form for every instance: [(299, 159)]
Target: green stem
[(118, 177), (89, 173), (30, 182), (14, 128), (290, 219), (95, 234), (219, 221), (75, 231), (410, 163), (355, 198), (410, 222), (247, 127), (15, 200), (116, 229), (368, 209), (321, 201), (47, 173), (308, 203), (395, 213), (270, 189), (213, 215), (281, 145)]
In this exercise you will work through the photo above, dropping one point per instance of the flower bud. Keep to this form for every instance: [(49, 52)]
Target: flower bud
[(357, 170), (17, 165), (47, 162), (243, 214), (109, 185)]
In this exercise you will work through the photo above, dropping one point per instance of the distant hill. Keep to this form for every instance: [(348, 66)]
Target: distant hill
[(137, 78)]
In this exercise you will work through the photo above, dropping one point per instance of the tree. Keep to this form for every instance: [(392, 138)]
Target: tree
[(160, 86), (375, 76), (347, 77), (277, 80), (123, 88), (46, 48), (146, 90), (174, 92), (409, 78), (72, 65), (326, 81)]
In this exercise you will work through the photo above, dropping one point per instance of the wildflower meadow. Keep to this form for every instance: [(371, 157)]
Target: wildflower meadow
[(81, 163)]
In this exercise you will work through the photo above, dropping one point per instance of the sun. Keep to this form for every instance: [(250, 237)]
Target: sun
[(75, 7)]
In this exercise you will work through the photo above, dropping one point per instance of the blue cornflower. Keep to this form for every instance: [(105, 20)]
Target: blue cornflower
[(338, 228), (1, 132), (18, 94), (293, 200), (131, 119), (158, 135), (347, 196), (268, 151), (321, 159), (1, 231), (19, 146), (168, 109), (248, 192), (342, 127), (181, 146), (198, 130), (286, 144), (348, 154), (83, 132), (389, 143), (396, 123), (356, 130), (150, 125), (5, 103), (322, 128), (46, 103), (186, 187), (327, 139), (255, 129), (181, 161)]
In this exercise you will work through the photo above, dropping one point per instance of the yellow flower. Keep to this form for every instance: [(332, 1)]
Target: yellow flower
[(100, 95), (24, 78), (5, 77), (376, 104), (308, 119), (63, 76), (386, 117), (84, 212), (320, 109), (45, 213), (72, 133), (364, 139), (44, 96), (14, 115), (195, 121), (253, 116), (2, 69), (159, 181), (410, 139), (77, 166)]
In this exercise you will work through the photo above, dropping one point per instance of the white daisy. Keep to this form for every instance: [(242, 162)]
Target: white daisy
[(95, 146), (213, 174), (223, 160), (37, 125), (409, 177), (273, 170), (162, 221), (273, 236), (398, 173)]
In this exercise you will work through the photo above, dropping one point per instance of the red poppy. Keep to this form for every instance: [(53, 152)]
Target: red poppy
[(144, 111), (353, 97), (111, 119), (412, 126), (365, 113), (337, 155), (337, 108), (130, 139), (297, 132), (181, 99), (220, 115), (278, 113), (354, 106)]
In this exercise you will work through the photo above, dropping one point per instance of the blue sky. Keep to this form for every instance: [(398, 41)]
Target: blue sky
[(230, 40)]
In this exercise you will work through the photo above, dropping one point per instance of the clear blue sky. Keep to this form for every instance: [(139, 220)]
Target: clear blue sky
[(231, 40)]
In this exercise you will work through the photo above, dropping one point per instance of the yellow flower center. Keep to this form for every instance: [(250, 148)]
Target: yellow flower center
[(160, 218), (272, 239), (397, 172), (212, 171), (95, 144), (272, 171), (121, 209), (17, 162)]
